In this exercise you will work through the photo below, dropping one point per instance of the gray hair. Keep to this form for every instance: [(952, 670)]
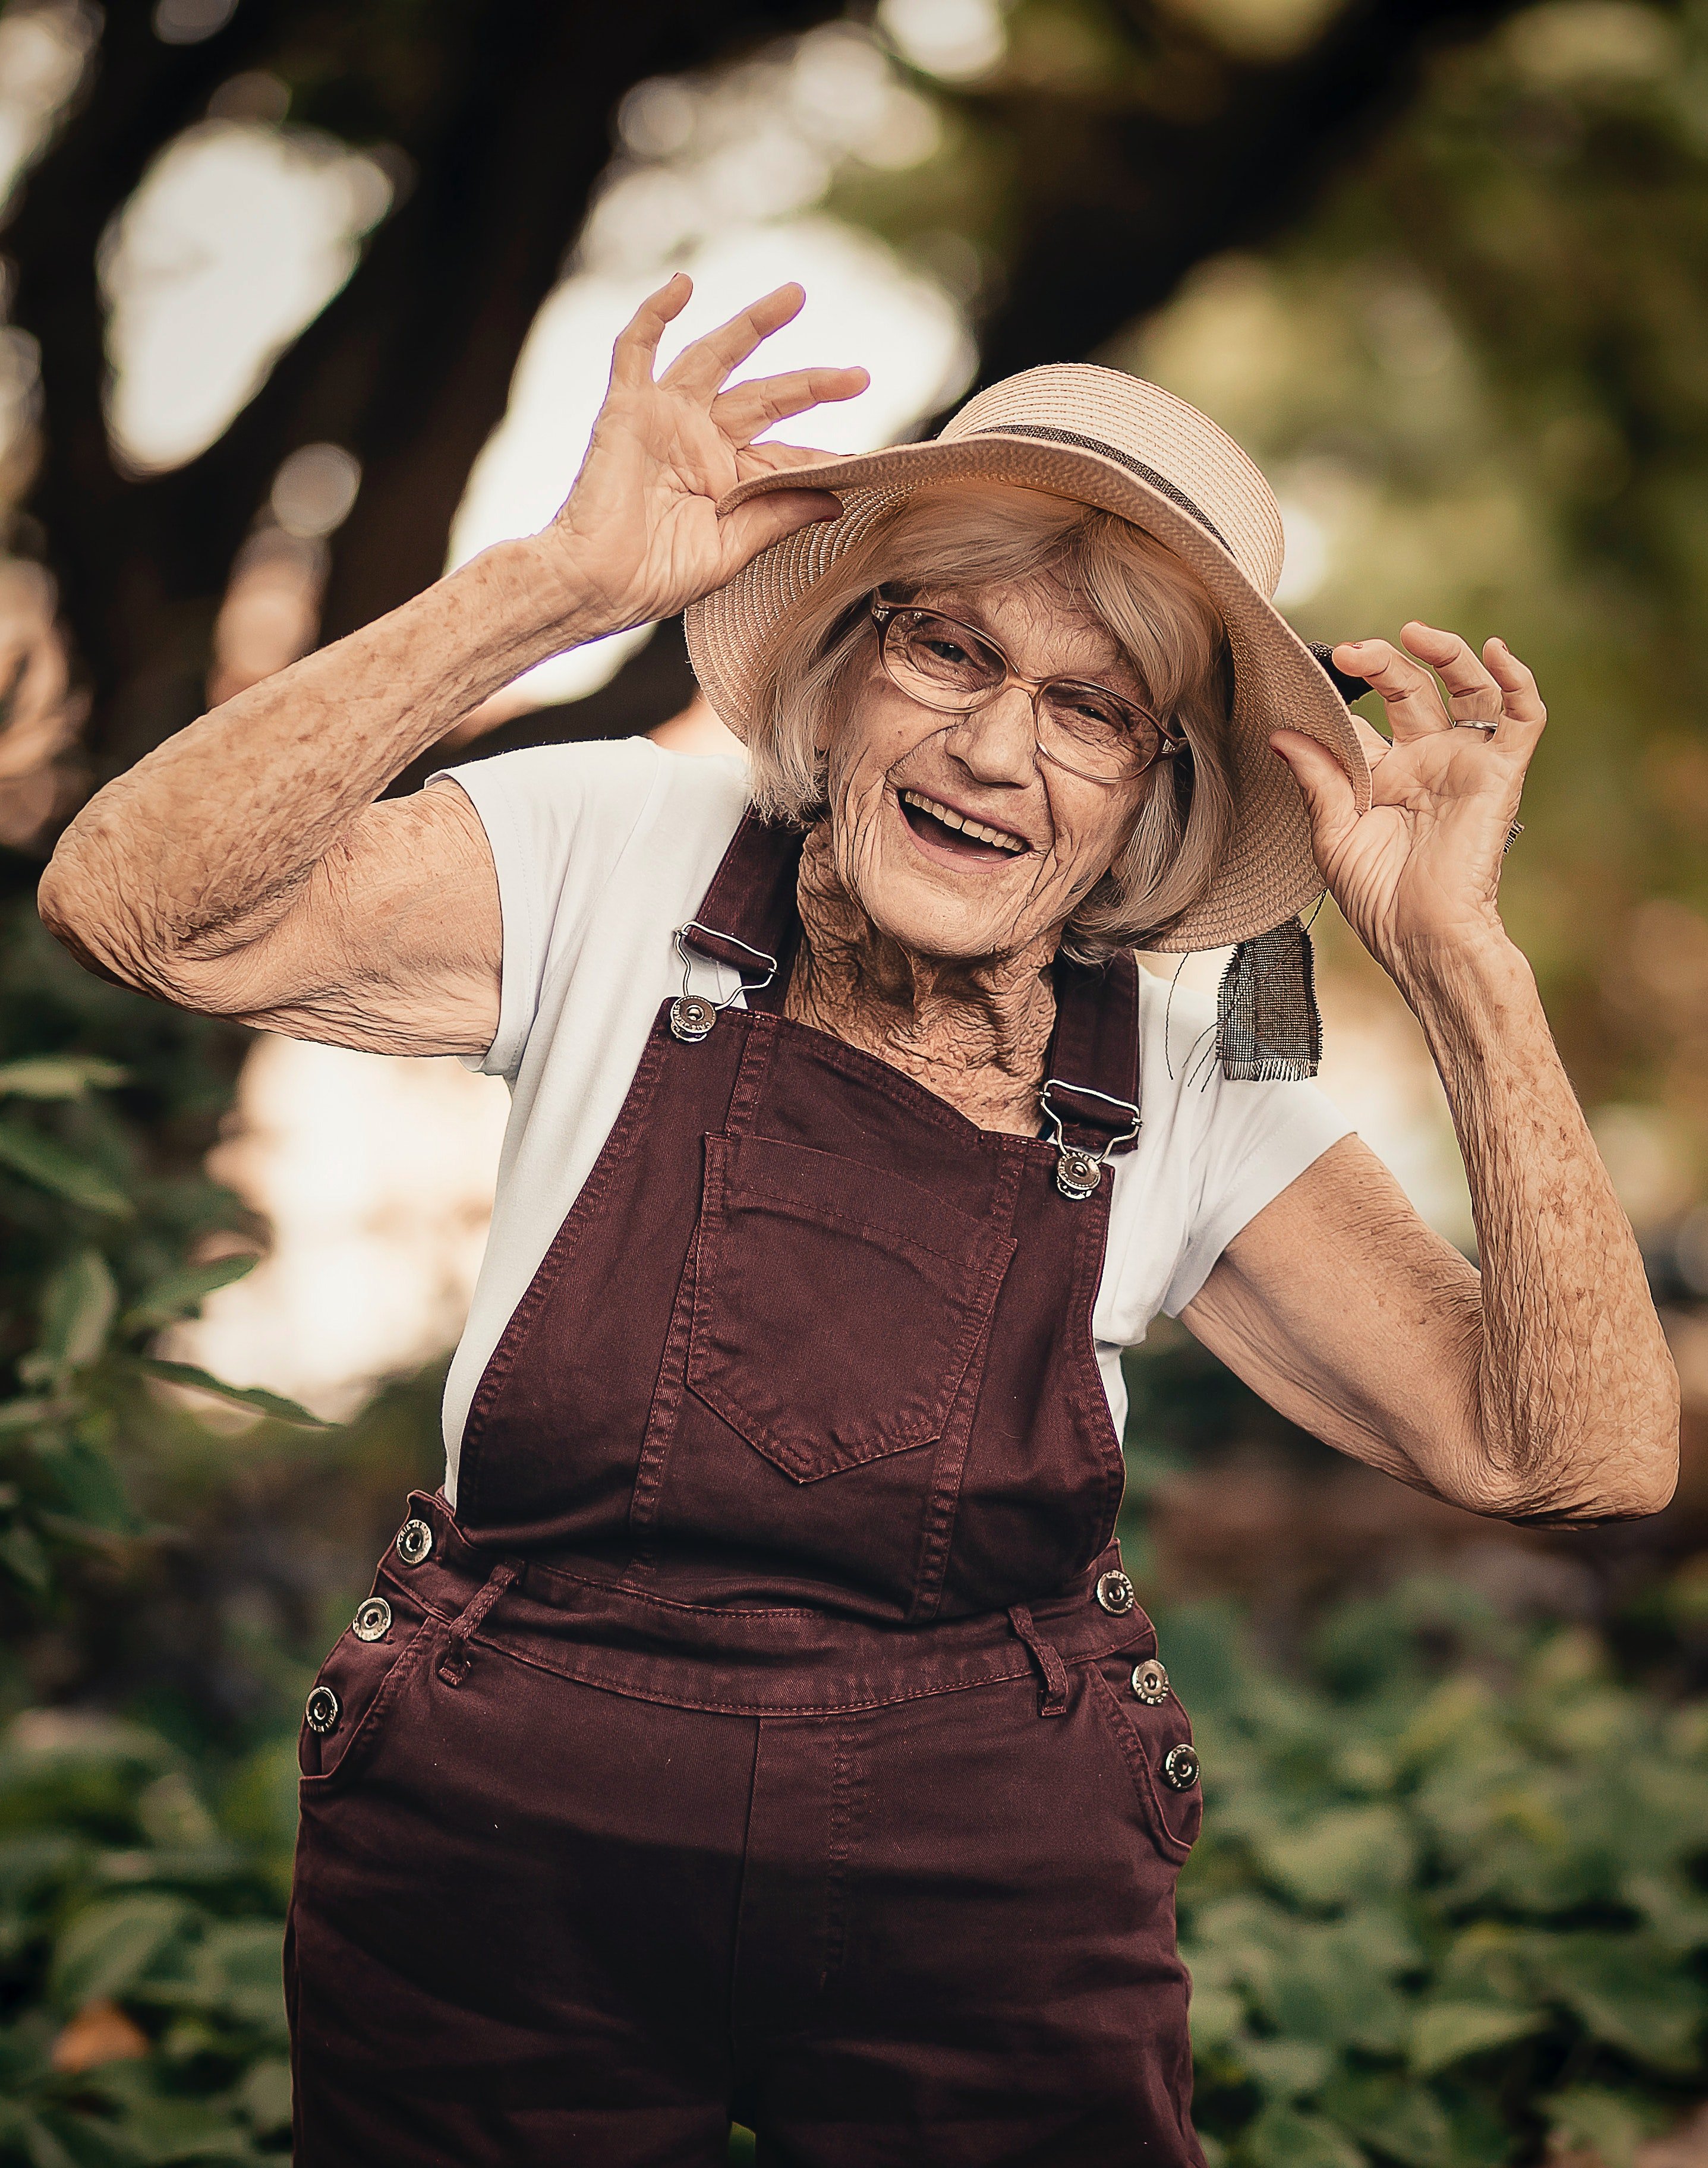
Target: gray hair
[(1154, 607)]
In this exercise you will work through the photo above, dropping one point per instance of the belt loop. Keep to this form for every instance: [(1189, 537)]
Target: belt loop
[(1053, 1700), (454, 1664)]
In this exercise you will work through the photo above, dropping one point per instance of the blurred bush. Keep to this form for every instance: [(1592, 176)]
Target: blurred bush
[(142, 2006), (1448, 1907)]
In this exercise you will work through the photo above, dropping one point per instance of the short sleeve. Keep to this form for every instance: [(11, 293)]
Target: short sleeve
[(1257, 1139), (558, 819)]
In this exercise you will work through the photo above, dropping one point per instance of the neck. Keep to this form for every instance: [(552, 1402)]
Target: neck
[(974, 1032)]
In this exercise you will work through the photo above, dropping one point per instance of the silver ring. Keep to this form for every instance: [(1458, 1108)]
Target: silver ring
[(1491, 727)]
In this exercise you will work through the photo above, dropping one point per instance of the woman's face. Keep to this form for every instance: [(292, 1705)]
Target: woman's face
[(936, 889)]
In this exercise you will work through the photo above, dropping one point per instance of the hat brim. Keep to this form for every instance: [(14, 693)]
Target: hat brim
[(1269, 873)]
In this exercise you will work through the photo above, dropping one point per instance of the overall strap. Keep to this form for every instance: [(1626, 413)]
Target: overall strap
[(749, 912), (1093, 1070)]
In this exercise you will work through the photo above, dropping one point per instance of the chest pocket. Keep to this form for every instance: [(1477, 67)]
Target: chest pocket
[(837, 1307)]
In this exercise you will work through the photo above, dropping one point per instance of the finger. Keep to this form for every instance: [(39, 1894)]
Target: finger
[(1409, 692), (763, 520), (700, 368), (1526, 716), (1323, 785), (772, 458), (637, 344), (1375, 746), (745, 409), (1473, 694)]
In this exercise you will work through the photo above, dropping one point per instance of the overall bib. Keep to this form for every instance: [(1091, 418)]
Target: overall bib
[(771, 1731)]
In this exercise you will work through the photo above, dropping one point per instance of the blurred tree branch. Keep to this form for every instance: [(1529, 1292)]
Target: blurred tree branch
[(504, 122), (1120, 199), (1118, 188)]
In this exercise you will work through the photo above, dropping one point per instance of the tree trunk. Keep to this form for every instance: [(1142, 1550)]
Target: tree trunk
[(408, 367), (1121, 206)]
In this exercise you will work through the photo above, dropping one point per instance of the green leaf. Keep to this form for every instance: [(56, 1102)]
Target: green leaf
[(1334, 1982), (77, 1307), (1443, 2033), (59, 1076), (1404, 2121), (1284, 2138), (264, 2096), (1591, 2119), (1283, 2069), (106, 1949), (239, 1975), (91, 1489), (180, 1293), (22, 1557), (27, 1415), (1627, 1994), (1344, 1854), (178, 2129), (1217, 2016), (34, 2136), (243, 1396), (50, 1166)]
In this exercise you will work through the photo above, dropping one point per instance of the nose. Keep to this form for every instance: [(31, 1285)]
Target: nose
[(998, 742)]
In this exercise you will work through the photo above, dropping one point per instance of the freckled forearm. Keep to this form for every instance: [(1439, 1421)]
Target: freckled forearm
[(1576, 1394), (207, 843)]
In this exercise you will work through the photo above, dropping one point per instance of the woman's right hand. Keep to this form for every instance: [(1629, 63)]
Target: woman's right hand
[(639, 537)]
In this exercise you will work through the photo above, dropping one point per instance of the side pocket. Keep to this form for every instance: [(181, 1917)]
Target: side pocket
[(359, 1684), (1145, 1736)]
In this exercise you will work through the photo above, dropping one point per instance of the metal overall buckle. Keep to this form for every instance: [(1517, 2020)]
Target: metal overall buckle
[(691, 1015), (1079, 1172)]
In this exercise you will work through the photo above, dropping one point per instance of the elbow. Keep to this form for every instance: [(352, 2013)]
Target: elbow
[(81, 903), (1631, 1501), (1578, 1469), (1630, 1478), (68, 908)]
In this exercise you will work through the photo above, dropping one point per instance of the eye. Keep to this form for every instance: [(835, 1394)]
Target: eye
[(1092, 708), (938, 643)]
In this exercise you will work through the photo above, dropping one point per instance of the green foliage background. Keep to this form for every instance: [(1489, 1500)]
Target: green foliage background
[(1449, 1902), (1450, 1906)]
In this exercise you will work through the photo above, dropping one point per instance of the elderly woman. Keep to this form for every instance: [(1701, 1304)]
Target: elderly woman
[(760, 1723)]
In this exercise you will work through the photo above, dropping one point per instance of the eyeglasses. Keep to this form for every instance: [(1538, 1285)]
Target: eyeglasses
[(1088, 729)]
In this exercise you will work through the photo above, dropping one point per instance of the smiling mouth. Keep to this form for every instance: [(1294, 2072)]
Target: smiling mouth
[(957, 835)]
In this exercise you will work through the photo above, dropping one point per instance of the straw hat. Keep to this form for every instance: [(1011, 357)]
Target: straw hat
[(1101, 438)]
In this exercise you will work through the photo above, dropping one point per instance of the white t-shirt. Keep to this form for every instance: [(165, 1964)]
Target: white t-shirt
[(601, 851)]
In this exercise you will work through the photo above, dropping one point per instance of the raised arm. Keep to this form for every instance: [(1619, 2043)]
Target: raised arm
[(1541, 1389), (243, 868)]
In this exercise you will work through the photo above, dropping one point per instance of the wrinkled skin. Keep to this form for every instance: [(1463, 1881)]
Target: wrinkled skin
[(246, 868), (932, 951)]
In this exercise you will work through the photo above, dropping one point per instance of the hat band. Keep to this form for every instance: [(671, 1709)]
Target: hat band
[(1168, 489)]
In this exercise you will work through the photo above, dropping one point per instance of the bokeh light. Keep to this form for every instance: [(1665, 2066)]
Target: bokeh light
[(238, 236), (716, 176)]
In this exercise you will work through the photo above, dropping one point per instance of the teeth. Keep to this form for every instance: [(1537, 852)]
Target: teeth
[(950, 819)]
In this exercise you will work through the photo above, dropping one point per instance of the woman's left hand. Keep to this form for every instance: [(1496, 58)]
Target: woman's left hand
[(1418, 874)]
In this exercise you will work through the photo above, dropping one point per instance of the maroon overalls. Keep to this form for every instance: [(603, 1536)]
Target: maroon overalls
[(772, 1733)]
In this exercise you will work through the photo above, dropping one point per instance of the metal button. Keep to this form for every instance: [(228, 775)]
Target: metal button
[(1077, 1175), (414, 1542), (373, 1621), (1114, 1593), (322, 1711), (691, 1019), (1180, 1768), (1149, 1681)]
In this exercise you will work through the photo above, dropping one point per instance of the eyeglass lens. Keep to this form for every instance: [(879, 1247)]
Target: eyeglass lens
[(946, 666)]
